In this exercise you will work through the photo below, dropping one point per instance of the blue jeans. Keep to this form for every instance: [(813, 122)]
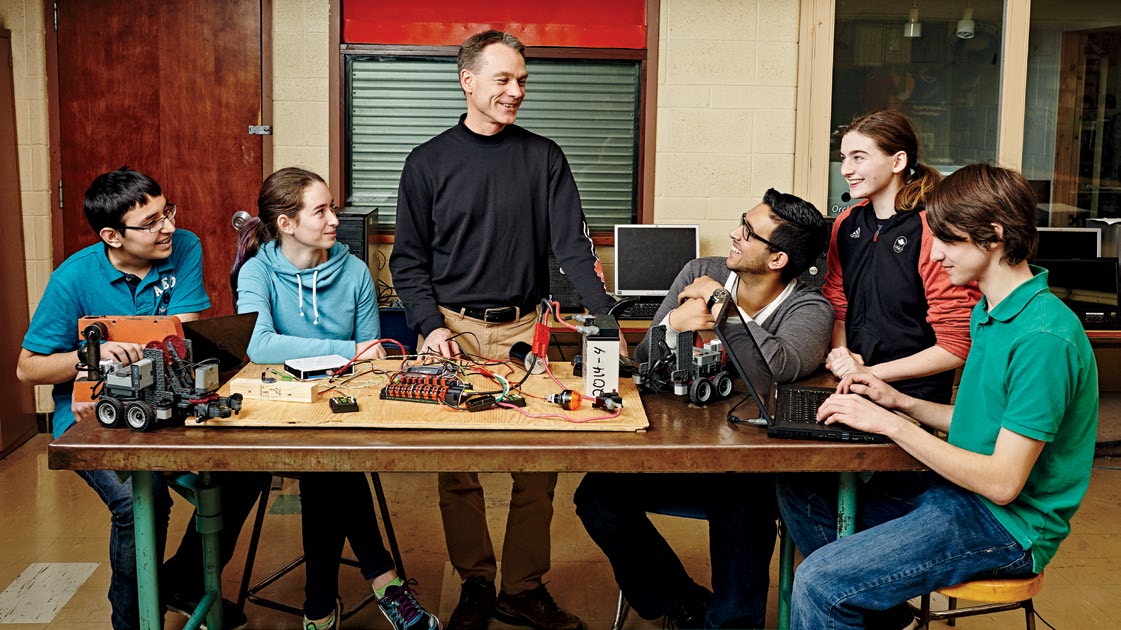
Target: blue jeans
[(117, 496), (922, 533), (741, 514)]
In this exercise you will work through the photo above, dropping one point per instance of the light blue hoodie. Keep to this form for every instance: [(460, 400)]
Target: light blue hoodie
[(307, 312)]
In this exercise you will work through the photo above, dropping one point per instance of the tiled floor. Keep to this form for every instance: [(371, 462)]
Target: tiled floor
[(53, 517)]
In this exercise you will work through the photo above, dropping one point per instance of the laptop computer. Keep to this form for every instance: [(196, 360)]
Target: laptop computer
[(795, 404), (223, 338)]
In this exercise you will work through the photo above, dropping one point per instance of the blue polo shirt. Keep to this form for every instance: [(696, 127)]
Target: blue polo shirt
[(86, 284), (1031, 370)]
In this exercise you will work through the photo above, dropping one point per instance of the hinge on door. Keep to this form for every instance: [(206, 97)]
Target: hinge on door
[(54, 10), (60, 194), (260, 130)]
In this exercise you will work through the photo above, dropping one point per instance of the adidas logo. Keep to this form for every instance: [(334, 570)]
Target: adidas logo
[(855, 233)]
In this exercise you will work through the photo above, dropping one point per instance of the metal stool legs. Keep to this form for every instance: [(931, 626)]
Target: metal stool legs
[(622, 608), (251, 593)]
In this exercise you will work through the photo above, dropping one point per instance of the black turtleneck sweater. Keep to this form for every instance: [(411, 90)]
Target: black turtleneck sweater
[(476, 218)]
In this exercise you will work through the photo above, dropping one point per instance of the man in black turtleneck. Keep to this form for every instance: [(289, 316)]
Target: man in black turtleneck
[(480, 207)]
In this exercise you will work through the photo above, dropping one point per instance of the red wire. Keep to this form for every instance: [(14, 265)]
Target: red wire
[(559, 415), (368, 346)]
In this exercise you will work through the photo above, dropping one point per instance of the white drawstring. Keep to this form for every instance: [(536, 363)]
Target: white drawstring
[(300, 290), (315, 295)]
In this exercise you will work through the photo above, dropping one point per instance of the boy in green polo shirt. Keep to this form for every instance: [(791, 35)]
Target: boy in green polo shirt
[(1003, 489)]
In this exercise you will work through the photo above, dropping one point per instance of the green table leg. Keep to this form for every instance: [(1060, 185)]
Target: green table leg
[(147, 564), (785, 576), (209, 524), (846, 505)]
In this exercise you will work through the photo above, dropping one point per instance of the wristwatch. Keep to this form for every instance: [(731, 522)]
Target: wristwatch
[(718, 296)]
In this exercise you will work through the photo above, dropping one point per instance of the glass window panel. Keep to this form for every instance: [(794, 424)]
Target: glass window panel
[(590, 108), (1072, 129), (939, 69)]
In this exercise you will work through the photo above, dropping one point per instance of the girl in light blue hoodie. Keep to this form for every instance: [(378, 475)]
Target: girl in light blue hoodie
[(313, 298)]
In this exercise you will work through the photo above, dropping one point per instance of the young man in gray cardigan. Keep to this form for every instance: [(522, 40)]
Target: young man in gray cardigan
[(791, 322)]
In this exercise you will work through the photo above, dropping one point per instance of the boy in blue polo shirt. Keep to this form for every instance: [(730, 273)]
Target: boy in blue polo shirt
[(1003, 489), (142, 265)]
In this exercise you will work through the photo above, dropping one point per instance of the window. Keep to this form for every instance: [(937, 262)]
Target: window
[(589, 107), (1072, 128), (967, 126), (926, 61)]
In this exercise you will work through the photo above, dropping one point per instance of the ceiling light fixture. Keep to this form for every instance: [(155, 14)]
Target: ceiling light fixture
[(965, 24), (912, 28)]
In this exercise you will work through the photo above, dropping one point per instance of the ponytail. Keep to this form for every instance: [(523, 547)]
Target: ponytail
[(281, 194), (252, 234), (916, 189)]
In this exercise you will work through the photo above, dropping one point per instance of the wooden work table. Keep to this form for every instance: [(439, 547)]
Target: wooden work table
[(681, 438)]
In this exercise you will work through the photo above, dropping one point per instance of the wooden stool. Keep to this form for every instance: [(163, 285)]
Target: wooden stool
[(997, 594)]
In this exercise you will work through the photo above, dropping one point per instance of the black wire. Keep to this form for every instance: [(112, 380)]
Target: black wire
[(1036, 612)]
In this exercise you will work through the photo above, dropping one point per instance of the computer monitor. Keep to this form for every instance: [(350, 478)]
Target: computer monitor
[(1089, 286), (649, 257), (1069, 243)]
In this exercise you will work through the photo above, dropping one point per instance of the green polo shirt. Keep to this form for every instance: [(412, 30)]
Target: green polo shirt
[(1031, 370)]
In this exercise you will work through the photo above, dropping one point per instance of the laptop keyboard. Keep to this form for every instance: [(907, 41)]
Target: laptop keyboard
[(801, 406), (639, 310)]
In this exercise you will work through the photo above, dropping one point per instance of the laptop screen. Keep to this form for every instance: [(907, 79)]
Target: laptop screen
[(223, 338), (755, 372)]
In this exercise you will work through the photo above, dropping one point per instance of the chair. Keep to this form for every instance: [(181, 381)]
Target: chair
[(251, 593), (998, 595)]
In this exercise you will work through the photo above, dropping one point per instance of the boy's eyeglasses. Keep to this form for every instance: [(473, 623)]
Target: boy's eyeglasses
[(749, 234), (155, 225)]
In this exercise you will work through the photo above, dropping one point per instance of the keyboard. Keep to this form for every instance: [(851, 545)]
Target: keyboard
[(639, 310), (801, 406)]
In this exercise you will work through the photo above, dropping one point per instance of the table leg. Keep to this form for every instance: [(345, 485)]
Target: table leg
[(147, 564), (846, 504), (785, 576), (209, 524)]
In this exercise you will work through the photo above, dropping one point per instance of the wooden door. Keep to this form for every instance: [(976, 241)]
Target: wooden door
[(17, 413), (170, 88)]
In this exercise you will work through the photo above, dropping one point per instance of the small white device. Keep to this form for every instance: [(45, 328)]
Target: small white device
[(318, 367)]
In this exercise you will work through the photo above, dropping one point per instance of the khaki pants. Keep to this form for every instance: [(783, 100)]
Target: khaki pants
[(526, 548)]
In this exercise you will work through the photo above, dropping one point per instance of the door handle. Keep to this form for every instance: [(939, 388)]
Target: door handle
[(238, 219)]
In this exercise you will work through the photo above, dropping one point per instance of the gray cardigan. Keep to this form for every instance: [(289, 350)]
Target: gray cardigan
[(794, 339)]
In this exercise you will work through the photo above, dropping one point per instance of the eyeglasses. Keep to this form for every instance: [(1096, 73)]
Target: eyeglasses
[(749, 234), (155, 225)]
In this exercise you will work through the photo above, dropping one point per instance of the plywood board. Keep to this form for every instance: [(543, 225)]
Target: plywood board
[(392, 414)]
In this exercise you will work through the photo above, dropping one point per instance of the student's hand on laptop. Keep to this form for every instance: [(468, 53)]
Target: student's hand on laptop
[(692, 314), (841, 361), (873, 388), (701, 289), (857, 412), (375, 351), (440, 342)]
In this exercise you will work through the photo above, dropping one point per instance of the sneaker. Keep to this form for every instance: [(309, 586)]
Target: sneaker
[(334, 623), (535, 608), (476, 604), (402, 609), (690, 613), (233, 618)]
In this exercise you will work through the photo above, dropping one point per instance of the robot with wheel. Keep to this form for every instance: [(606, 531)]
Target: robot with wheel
[(164, 387), (698, 373)]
